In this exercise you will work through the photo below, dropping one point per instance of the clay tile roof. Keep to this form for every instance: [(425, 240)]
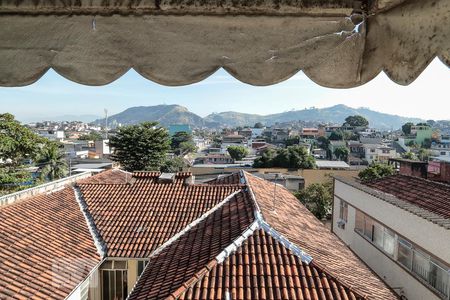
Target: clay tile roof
[(180, 263), (134, 219), (291, 219), (46, 248), (112, 176), (262, 268), (426, 194), (234, 178)]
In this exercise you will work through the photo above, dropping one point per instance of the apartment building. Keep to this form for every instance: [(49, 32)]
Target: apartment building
[(378, 152), (400, 227)]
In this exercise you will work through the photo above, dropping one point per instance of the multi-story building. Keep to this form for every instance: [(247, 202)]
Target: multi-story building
[(378, 152), (400, 227)]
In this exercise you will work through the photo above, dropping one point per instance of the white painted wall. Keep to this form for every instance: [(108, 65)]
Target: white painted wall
[(429, 236)]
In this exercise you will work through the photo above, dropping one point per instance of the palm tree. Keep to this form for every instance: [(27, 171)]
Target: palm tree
[(52, 162)]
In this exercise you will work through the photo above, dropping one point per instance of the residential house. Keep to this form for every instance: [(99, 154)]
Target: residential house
[(216, 158), (419, 134), (148, 235), (378, 153), (400, 227)]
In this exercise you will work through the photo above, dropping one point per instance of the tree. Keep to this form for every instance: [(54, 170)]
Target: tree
[(375, 171), (292, 157), (423, 154), (406, 128), (237, 152), (13, 179), (409, 155), (295, 140), (258, 125), (17, 142), (92, 136), (52, 162), (323, 142), (173, 165), (140, 147), (182, 143), (317, 198), (356, 121), (342, 153), (336, 136)]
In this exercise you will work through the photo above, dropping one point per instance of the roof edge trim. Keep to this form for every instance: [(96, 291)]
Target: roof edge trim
[(98, 239)]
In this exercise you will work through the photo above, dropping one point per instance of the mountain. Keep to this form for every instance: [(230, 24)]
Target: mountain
[(335, 114), (176, 114), (164, 114)]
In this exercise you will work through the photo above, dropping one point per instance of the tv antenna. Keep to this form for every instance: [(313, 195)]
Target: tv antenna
[(106, 123)]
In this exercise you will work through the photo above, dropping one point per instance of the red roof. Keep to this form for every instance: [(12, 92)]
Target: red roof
[(290, 218), (46, 248), (426, 194), (262, 268), (170, 272), (134, 219)]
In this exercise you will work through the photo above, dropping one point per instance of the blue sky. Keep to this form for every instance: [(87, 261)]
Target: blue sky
[(427, 97)]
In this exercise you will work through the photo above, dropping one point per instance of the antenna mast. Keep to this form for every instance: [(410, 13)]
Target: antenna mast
[(106, 123)]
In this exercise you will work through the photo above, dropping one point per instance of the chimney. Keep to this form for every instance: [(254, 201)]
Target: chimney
[(166, 178)]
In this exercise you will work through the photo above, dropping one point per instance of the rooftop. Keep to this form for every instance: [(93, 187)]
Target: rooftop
[(229, 236)]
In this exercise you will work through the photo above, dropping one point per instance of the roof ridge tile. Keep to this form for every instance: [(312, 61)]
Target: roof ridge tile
[(96, 236)]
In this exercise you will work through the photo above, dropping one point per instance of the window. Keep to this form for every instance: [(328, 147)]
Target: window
[(141, 266), (418, 262), (114, 280), (343, 211), (359, 221), (404, 255), (439, 277), (421, 264)]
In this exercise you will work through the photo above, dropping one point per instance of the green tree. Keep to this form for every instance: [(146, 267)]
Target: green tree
[(13, 179), (375, 171), (295, 140), (341, 153), (266, 159), (317, 198), (92, 136), (140, 147), (293, 157), (336, 136), (406, 128), (237, 152), (323, 142), (52, 163), (182, 143), (356, 121), (258, 125), (423, 154), (174, 165), (17, 142), (409, 155)]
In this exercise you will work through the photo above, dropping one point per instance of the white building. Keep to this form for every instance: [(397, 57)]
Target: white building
[(378, 152), (400, 227)]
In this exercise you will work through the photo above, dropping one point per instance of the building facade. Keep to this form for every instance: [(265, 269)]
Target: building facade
[(400, 227)]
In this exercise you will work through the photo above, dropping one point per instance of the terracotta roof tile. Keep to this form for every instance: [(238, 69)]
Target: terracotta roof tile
[(426, 194), (42, 256), (262, 268), (290, 218), (134, 219), (182, 262), (112, 176), (234, 178)]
